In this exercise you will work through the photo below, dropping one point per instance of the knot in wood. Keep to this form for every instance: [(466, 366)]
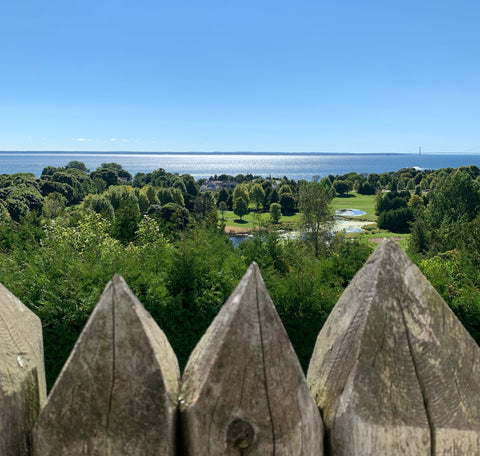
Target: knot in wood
[(240, 434)]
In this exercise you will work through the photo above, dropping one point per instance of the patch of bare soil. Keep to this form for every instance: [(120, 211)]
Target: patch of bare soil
[(237, 230)]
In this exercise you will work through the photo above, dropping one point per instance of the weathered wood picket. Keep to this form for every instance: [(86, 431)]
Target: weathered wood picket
[(393, 373)]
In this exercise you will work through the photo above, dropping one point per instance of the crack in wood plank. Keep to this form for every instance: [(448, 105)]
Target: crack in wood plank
[(262, 344)]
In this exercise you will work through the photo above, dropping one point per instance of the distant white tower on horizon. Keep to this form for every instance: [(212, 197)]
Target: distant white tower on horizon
[(420, 150)]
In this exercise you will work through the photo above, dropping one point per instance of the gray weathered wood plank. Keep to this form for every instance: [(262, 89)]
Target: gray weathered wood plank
[(393, 370), (243, 390), (22, 374), (117, 393)]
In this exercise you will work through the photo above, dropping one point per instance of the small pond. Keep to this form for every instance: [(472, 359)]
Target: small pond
[(238, 239), (349, 212), (341, 224), (349, 226)]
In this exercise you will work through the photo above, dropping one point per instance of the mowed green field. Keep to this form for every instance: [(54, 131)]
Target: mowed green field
[(252, 219), (364, 203), (355, 201)]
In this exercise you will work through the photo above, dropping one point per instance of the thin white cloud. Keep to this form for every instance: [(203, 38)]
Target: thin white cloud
[(81, 139), (113, 139)]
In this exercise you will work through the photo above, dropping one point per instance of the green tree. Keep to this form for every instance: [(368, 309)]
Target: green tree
[(394, 185), (116, 194), (19, 194), (54, 205), (341, 187), (124, 175), (410, 184), (190, 185), (373, 179), (415, 202), (453, 202), (317, 216), (140, 180), (101, 205), (240, 207), (143, 202), (203, 204), (175, 217), (108, 176), (396, 220), (165, 196), (75, 164), (222, 196), (48, 171), (454, 198), (274, 197), (241, 191), (150, 193), (275, 212), (287, 202), (366, 188), (424, 184), (127, 218), (223, 207), (4, 214), (285, 189), (419, 240), (257, 195), (179, 184), (113, 166)]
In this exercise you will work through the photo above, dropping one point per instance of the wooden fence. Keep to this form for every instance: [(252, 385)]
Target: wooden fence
[(393, 373)]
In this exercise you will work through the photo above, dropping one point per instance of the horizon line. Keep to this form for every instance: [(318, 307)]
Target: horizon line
[(25, 151)]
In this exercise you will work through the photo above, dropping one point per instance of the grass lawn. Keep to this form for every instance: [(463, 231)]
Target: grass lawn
[(355, 201), (252, 220)]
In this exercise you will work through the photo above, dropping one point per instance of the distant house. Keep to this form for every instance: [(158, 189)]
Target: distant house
[(229, 185), (212, 186)]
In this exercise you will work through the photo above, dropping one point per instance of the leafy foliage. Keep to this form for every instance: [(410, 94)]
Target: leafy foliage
[(161, 234), (240, 207), (396, 220), (317, 216), (275, 212)]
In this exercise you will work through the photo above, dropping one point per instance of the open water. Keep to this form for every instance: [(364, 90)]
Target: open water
[(203, 165)]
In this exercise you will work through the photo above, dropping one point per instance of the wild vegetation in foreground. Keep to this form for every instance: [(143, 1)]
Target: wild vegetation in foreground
[(64, 235)]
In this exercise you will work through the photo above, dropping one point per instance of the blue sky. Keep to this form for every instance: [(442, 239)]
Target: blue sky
[(324, 76)]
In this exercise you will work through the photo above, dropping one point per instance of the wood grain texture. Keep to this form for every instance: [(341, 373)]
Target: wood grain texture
[(117, 393), (393, 370), (22, 374), (243, 390)]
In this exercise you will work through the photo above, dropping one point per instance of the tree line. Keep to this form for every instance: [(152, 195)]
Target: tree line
[(63, 236)]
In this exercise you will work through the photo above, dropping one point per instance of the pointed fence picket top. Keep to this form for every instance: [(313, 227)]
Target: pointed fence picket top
[(243, 390), (393, 370), (22, 374), (117, 393)]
